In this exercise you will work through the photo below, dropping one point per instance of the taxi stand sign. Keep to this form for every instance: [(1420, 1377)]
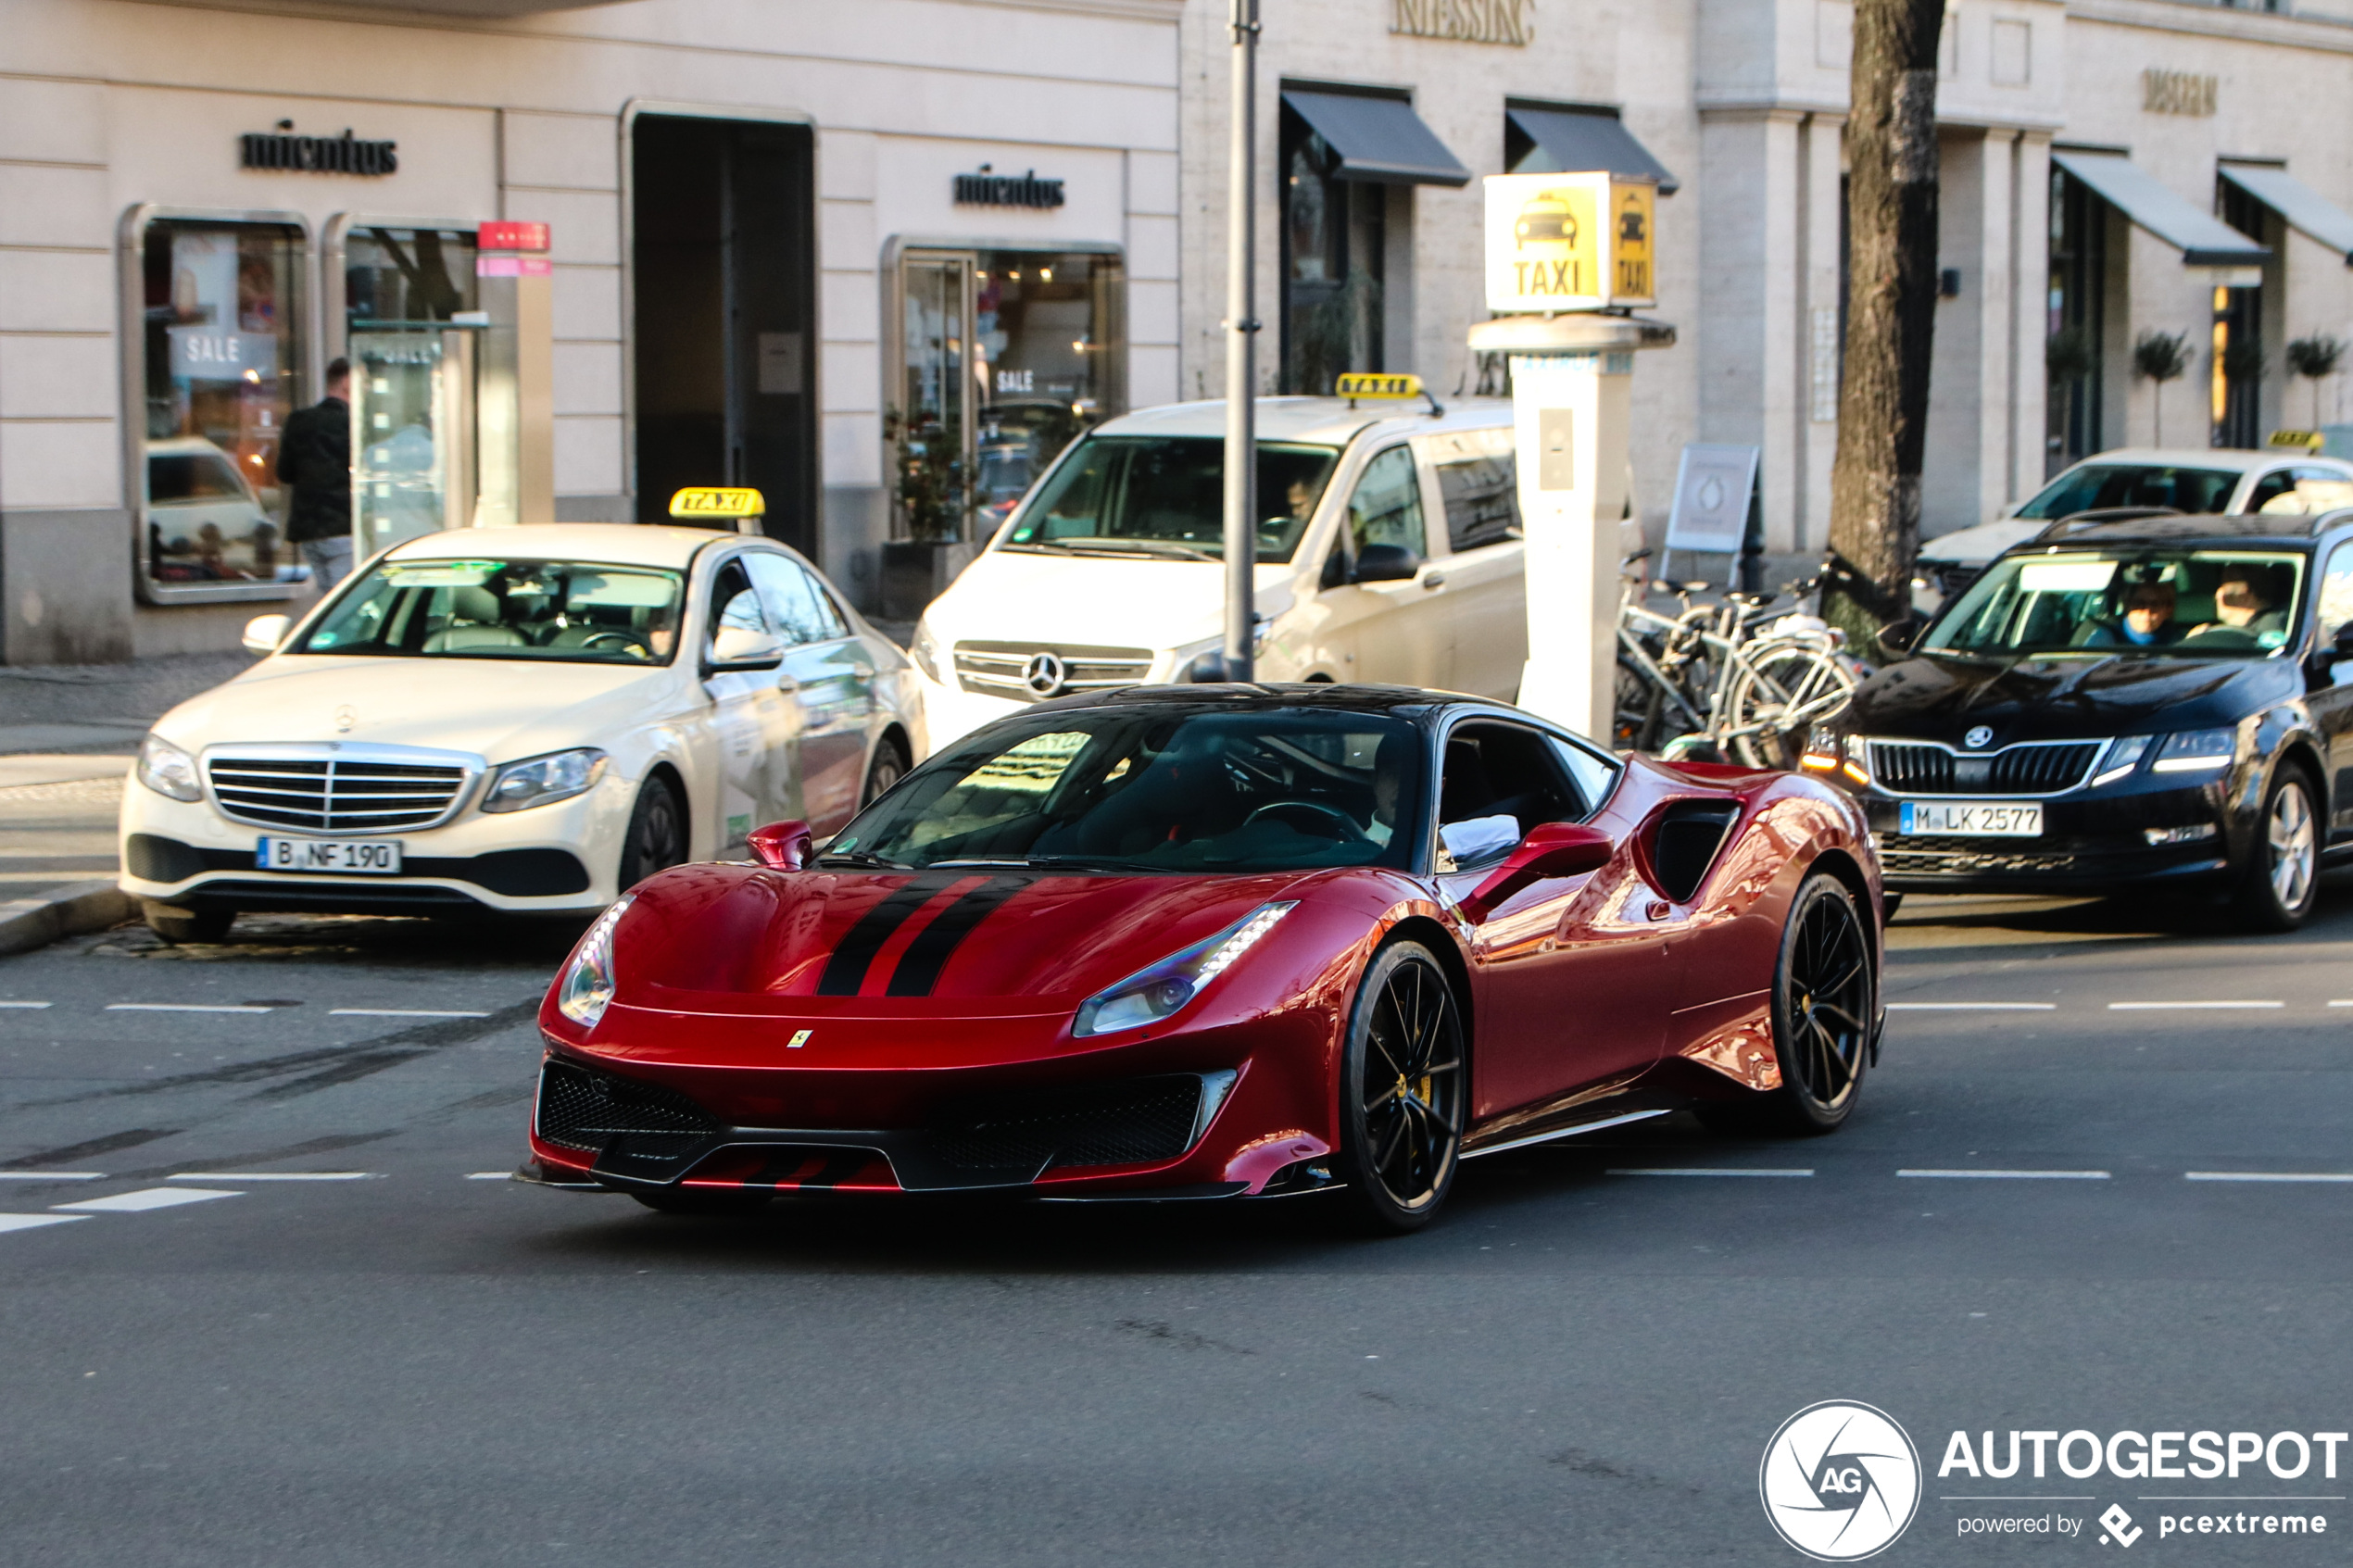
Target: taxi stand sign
[(716, 503), (1569, 242)]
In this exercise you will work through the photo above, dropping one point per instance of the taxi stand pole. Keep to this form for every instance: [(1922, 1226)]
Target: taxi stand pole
[(1241, 359), (1572, 389)]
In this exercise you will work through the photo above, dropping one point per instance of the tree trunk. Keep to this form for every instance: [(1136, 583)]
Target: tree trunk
[(1882, 402)]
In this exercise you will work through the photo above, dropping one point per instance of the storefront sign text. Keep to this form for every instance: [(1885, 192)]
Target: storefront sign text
[(1466, 22), (316, 154), (2178, 92), (985, 189)]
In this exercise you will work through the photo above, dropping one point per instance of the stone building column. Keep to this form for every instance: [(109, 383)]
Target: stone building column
[(1751, 283)]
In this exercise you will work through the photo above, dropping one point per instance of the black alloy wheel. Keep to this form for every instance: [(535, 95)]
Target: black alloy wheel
[(1825, 994), (179, 927), (2280, 883), (657, 835), (1402, 1090), (889, 767), (711, 1204)]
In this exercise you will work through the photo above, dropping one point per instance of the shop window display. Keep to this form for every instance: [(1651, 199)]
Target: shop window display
[(223, 353), (1047, 338)]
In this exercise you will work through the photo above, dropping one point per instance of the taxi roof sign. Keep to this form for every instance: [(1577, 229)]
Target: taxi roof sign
[(709, 501), (2309, 440), (1362, 384)]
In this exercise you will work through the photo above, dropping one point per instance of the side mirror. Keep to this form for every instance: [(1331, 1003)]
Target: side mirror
[(783, 846), (1550, 850), (745, 647), (1898, 638), (1386, 563), (264, 632), (2345, 641)]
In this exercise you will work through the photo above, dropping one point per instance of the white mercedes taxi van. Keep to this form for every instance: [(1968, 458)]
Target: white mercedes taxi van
[(1388, 550), (520, 719)]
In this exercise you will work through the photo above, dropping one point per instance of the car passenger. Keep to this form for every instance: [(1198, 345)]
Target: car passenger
[(2243, 603), (2147, 620)]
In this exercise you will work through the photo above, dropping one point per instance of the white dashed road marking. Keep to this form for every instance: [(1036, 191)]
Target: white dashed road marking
[(2193, 1007), (490, 1175), (27, 1004), (403, 1013), (275, 1176), (1704, 1170), (2014, 1175), (182, 1007), (30, 1221), (146, 1198), (1972, 1006), (2267, 1175), (52, 1176)]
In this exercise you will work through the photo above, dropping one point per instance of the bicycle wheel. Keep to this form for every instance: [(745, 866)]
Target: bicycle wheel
[(1780, 691), (1636, 725)]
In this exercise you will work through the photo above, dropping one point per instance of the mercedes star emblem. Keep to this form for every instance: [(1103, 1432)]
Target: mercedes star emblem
[(1043, 674), (346, 716), (1982, 735)]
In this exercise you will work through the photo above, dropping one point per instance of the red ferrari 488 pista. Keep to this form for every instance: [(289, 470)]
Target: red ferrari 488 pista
[(1221, 941)]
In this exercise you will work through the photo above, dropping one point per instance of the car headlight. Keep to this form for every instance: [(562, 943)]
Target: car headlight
[(1150, 994), (924, 648), (586, 987), (2193, 751), (2123, 756), (537, 781), (1826, 751), (168, 770)]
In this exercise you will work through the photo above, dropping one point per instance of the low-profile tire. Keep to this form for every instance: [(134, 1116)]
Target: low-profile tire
[(657, 837), (1825, 996), (1404, 1091), (2280, 883), (180, 926), (709, 1204), (889, 767)]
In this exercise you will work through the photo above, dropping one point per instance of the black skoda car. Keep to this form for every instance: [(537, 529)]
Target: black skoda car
[(2151, 702)]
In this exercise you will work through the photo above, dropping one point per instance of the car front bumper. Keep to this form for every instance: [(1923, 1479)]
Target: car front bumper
[(559, 858), (2092, 841)]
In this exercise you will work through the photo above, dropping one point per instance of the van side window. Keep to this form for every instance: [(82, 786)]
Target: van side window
[(1481, 498), (1387, 507)]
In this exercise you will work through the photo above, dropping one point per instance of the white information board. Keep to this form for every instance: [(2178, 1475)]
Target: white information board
[(1712, 489)]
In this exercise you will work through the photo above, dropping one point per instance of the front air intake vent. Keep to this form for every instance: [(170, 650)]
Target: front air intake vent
[(584, 1109), (1136, 1122)]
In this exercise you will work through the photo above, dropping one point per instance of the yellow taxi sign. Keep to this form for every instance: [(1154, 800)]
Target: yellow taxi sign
[(2307, 440), (1579, 241), (716, 501), (1367, 384)]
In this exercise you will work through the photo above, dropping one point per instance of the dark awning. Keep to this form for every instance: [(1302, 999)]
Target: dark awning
[(1582, 139), (1379, 139), (2203, 239), (2303, 206)]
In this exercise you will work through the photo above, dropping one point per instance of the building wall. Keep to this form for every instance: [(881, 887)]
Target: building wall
[(109, 103)]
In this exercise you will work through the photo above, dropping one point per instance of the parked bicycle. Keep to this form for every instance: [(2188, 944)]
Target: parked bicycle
[(1729, 682)]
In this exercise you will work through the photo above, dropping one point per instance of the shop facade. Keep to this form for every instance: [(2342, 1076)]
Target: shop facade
[(2110, 170), (876, 262)]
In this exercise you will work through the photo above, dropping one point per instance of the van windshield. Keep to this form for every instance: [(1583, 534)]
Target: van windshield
[(2191, 604), (1165, 495), (2095, 485)]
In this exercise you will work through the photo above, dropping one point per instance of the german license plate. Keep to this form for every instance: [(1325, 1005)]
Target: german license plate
[(1971, 819), (360, 856)]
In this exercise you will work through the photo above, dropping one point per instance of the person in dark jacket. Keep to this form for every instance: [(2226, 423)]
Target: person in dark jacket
[(314, 461)]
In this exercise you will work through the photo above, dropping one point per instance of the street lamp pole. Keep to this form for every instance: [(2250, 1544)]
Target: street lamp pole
[(1241, 341)]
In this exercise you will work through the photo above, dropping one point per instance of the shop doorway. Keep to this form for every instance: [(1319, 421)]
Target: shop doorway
[(725, 311)]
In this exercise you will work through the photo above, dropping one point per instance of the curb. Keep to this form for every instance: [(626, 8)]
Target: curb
[(70, 910)]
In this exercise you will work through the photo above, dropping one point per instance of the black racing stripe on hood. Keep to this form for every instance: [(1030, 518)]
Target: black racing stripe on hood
[(919, 966), (846, 970)]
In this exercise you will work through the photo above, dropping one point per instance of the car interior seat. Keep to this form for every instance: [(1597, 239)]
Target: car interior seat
[(473, 623)]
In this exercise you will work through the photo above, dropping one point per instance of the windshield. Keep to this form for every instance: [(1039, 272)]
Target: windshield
[(2132, 484), (573, 611), (1149, 790), (2197, 603), (1162, 494)]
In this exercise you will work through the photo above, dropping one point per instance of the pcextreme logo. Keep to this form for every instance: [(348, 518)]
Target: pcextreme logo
[(1839, 1481)]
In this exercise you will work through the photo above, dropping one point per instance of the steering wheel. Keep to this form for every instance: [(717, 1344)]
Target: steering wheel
[(1315, 817), (629, 642)]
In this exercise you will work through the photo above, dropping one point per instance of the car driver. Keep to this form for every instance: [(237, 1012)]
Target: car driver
[(2148, 620), (2240, 603)]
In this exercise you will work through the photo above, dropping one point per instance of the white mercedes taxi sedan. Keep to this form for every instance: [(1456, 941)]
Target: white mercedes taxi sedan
[(518, 719)]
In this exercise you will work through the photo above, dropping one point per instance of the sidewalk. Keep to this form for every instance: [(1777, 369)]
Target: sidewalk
[(68, 736)]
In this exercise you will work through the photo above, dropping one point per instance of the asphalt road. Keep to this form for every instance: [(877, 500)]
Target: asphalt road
[(1581, 1365)]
